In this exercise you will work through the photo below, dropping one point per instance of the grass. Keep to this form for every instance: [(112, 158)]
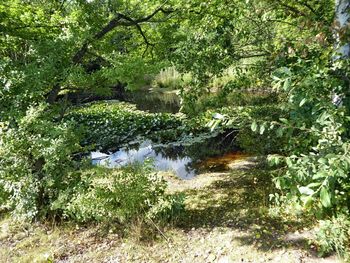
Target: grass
[(226, 220), (170, 78)]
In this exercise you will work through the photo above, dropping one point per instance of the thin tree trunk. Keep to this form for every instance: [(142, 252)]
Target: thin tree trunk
[(53, 94), (342, 9), (342, 47)]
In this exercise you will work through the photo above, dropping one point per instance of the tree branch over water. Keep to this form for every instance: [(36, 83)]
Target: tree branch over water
[(120, 20)]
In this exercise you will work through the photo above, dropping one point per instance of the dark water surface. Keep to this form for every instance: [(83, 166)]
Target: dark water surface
[(186, 160), (154, 101)]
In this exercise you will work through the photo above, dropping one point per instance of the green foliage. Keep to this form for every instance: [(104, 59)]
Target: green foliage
[(36, 162), (230, 48), (318, 162), (255, 132), (136, 72), (216, 100), (122, 195), (47, 48), (237, 85), (333, 234), (110, 124), (39, 177)]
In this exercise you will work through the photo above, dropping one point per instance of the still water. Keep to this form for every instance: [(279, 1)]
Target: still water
[(155, 101), (180, 166), (184, 160)]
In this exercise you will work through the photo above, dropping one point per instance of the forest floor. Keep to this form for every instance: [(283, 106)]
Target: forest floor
[(226, 220)]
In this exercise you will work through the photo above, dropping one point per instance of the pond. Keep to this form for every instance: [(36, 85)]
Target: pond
[(212, 152), (154, 101)]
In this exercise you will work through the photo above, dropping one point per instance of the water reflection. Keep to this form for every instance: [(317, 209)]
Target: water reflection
[(155, 101), (210, 152), (180, 166)]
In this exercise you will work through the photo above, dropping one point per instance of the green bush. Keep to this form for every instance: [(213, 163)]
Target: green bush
[(119, 195), (223, 98), (260, 144), (258, 141), (334, 235), (317, 148), (39, 177), (35, 162), (263, 139)]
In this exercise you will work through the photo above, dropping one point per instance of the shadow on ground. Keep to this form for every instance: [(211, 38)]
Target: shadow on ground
[(240, 201)]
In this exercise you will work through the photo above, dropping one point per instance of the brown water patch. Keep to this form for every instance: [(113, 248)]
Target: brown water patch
[(221, 163)]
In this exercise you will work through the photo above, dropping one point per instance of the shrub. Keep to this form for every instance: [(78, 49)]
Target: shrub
[(334, 235), (119, 195), (318, 145), (39, 177), (259, 141), (35, 162)]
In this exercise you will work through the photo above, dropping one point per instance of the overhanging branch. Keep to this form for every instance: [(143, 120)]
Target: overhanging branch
[(119, 20)]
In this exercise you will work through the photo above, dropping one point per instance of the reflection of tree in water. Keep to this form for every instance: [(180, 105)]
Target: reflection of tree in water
[(208, 147), (216, 146), (154, 101), (189, 156), (190, 167), (171, 152)]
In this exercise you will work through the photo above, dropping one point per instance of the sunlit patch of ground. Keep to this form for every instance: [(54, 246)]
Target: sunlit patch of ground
[(226, 220)]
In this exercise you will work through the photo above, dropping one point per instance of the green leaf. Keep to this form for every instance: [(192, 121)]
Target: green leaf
[(284, 120), (325, 197), (279, 132), (306, 190), (323, 160), (289, 162), (307, 201), (287, 84), (302, 102), (313, 185), (254, 126), (262, 129), (274, 159)]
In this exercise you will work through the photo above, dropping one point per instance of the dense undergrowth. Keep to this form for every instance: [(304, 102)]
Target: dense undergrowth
[(119, 195), (43, 175)]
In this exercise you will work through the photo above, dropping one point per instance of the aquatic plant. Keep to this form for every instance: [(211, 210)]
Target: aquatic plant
[(109, 124)]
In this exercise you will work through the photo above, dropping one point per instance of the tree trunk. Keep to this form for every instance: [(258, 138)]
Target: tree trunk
[(342, 9), (342, 47), (53, 94)]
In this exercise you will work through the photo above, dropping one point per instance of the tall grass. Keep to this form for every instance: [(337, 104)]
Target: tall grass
[(170, 78)]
